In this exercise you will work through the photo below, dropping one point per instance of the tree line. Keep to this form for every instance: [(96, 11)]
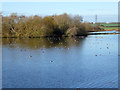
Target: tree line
[(49, 26)]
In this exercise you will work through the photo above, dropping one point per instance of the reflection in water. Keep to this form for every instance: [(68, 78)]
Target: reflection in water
[(37, 43), (89, 62)]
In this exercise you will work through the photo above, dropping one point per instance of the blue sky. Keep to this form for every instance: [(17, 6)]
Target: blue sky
[(109, 9)]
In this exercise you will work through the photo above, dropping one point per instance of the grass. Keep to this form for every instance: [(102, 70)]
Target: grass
[(107, 26)]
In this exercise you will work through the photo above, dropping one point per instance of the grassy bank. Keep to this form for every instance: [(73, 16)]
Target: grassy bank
[(107, 26), (48, 26)]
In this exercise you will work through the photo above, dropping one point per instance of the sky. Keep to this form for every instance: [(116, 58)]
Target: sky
[(106, 11), (59, 0)]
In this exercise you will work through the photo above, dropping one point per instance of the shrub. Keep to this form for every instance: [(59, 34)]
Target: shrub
[(36, 26)]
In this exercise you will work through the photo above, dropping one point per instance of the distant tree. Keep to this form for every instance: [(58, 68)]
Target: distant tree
[(63, 22), (49, 22), (36, 26)]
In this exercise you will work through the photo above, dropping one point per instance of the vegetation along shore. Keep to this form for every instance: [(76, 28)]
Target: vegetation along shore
[(49, 26)]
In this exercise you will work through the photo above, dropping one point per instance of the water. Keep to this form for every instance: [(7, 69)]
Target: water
[(90, 62), (113, 31)]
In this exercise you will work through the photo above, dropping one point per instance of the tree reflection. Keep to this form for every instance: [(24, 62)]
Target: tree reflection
[(37, 43)]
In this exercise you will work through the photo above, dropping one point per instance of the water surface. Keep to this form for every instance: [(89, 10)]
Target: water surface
[(90, 62)]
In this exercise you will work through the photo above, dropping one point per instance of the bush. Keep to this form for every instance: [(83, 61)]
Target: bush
[(75, 31), (63, 22), (36, 26)]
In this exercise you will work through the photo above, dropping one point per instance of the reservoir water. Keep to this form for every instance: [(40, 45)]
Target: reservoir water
[(90, 62)]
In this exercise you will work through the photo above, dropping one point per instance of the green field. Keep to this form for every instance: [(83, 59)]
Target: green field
[(107, 26)]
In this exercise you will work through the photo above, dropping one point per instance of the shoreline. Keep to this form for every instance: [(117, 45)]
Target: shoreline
[(89, 33), (64, 36)]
